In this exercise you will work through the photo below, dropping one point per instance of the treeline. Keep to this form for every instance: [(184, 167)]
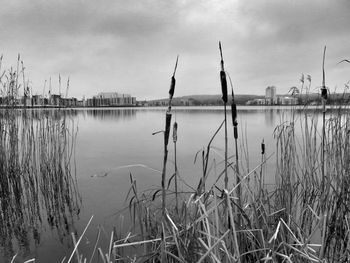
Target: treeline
[(214, 100), (198, 100)]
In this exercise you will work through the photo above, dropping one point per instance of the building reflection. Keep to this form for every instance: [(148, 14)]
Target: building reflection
[(111, 114), (270, 117)]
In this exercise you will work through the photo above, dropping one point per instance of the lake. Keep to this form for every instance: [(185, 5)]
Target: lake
[(113, 143)]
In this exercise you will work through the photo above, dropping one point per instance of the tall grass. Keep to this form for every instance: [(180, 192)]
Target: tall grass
[(296, 220), (303, 217), (37, 184)]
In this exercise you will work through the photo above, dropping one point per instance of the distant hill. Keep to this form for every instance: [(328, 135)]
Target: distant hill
[(241, 99), (207, 99)]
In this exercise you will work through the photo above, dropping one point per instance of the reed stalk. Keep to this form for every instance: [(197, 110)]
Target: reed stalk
[(324, 100), (235, 136), (175, 161), (261, 180), (166, 137), (224, 99)]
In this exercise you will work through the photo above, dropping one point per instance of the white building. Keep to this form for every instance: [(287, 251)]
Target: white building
[(111, 99), (289, 100), (270, 95)]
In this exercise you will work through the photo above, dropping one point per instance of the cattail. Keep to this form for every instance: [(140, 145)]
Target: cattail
[(261, 181), (167, 128), (223, 78), (166, 137), (324, 89), (324, 94), (234, 113), (234, 116), (224, 98), (172, 87), (223, 85), (262, 147), (235, 132), (173, 82), (175, 132)]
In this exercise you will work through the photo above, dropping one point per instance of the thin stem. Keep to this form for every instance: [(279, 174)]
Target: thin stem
[(238, 179), (176, 192), (226, 178), (163, 179)]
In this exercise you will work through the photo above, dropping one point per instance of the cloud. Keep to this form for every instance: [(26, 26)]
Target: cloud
[(131, 46)]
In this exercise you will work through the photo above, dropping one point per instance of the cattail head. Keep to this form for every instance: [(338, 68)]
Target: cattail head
[(172, 87), (173, 81), (235, 132), (223, 77), (323, 88), (167, 128), (263, 147), (234, 114), (324, 94), (234, 111), (223, 86), (175, 132)]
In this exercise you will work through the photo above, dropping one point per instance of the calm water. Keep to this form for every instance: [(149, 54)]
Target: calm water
[(114, 143)]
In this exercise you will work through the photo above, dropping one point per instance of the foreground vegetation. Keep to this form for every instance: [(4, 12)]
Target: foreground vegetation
[(303, 217)]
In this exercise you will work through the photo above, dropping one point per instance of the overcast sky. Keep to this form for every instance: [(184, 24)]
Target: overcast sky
[(131, 46)]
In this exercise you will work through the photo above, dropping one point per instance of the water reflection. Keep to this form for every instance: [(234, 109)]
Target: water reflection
[(37, 188), (111, 114), (39, 114)]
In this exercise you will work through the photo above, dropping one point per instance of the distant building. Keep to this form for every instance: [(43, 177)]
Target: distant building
[(187, 102), (270, 95), (69, 102), (289, 100), (38, 100), (55, 99), (105, 99), (256, 102), (143, 103), (80, 103)]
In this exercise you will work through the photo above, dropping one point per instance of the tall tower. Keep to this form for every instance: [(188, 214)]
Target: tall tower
[(270, 95)]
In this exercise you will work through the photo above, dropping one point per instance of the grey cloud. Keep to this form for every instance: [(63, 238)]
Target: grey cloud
[(297, 21), (132, 45)]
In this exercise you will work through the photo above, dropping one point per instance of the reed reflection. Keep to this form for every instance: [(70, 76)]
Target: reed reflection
[(37, 187), (38, 114)]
